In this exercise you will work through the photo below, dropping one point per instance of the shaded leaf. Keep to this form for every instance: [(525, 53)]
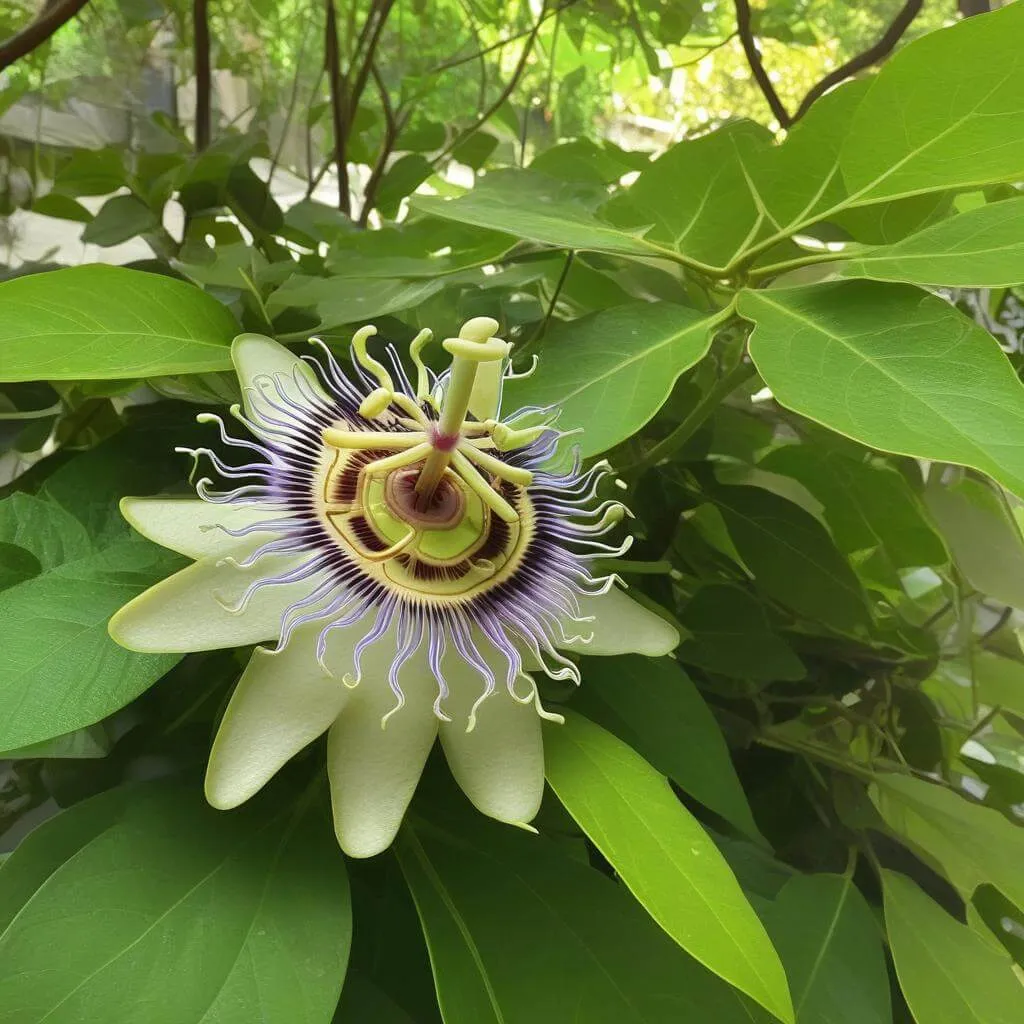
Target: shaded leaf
[(654, 706), (120, 219), (247, 920), (830, 944), (485, 894), (947, 973), (664, 856)]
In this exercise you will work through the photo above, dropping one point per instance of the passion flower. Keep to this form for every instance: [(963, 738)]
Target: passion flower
[(414, 556)]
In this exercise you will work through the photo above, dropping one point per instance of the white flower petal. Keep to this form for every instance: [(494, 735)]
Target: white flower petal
[(255, 356), (500, 764), (283, 702), (623, 626), (190, 526), (373, 770), (182, 613)]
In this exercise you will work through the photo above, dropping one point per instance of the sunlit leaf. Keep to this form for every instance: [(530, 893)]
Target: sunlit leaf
[(883, 364), (611, 372), (99, 323)]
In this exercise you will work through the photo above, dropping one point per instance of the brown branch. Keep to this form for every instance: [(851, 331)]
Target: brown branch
[(517, 74), (339, 105), (393, 125), (382, 9), (201, 51), (764, 83), (53, 16), (872, 55)]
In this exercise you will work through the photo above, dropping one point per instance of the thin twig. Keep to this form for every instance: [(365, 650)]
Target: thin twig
[(764, 83), (872, 55), (382, 10), (292, 100), (204, 81), (517, 74), (51, 18), (393, 125), (457, 61)]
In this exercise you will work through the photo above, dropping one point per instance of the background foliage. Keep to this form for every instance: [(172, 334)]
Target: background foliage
[(799, 348)]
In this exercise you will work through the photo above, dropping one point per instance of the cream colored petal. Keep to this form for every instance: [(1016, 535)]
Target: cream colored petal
[(281, 704), (182, 613), (622, 626), (255, 356), (500, 764), (192, 526), (373, 770)]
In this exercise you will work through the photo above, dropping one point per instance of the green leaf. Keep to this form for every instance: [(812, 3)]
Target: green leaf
[(983, 535), (830, 943), (653, 705), (91, 172), (695, 198), (401, 180), (51, 533), (119, 219), (943, 137), (983, 248), (52, 843), (612, 371), (53, 204), (89, 742), (883, 364), (176, 913), (346, 300), (513, 207), (792, 557), (60, 669), (972, 844), (486, 895), (730, 634), (100, 323), (664, 856), (869, 507), (946, 971)]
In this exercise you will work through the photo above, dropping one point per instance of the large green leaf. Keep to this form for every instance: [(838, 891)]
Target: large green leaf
[(60, 669), (696, 197), (613, 370), (982, 248), (972, 844), (925, 125), (98, 323), (653, 705), (792, 557), (665, 857), (514, 207), (983, 535), (520, 934), (174, 913), (884, 364), (345, 300), (829, 941), (946, 971)]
